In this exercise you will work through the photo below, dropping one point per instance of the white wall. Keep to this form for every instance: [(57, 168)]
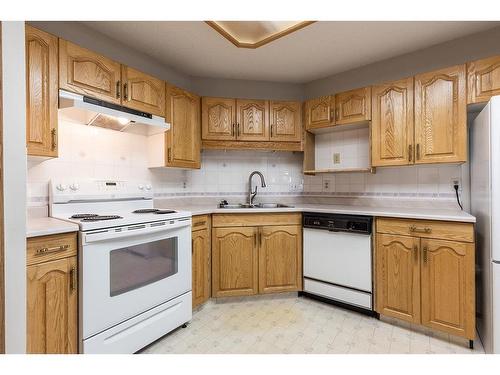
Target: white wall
[(14, 189)]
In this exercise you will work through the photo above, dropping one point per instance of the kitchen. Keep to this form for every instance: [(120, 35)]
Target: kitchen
[(346, 210)]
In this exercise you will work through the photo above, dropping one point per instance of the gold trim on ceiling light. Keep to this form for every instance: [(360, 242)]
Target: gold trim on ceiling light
[(262, 42)]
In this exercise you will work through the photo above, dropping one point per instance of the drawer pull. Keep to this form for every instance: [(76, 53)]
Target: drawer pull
[(413, 228), (55, 249), (199, 224), (72, 281)]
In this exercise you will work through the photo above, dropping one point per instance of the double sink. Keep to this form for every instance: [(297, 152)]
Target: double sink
[(226, 205)]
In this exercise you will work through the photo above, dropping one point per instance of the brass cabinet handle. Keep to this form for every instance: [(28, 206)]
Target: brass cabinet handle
[(118, 86), (413, 228), (169, 154), (410, 153), (232, 129), (53, 136), (336, 114), (418, 151), (425, 253), (72, 279), (55, 249), (238, 128), (125, 92), (271, 130), (260, 237)]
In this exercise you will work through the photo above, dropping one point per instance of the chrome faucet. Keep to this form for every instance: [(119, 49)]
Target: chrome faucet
[(252, 194)]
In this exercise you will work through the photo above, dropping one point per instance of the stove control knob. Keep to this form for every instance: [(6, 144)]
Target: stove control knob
[(74, 187), (148, 187), (141, 187), (61, 187)]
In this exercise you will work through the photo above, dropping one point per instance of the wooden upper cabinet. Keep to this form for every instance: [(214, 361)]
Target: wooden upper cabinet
[(88, 73), (285, 122), (392, 123), (448, 302), (280, 258), (52, 310), (483, 79), (143, 92), (201, 265), (319, 112), (41, 92), (353, 106), (441, 116), (252, 120), (218, 118), (234, 261), (398, 277), (184, 136)]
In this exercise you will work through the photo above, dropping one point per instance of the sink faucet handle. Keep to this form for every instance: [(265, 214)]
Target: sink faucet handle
[(223, 203)]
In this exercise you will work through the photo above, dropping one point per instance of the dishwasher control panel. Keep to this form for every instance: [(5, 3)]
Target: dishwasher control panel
[(338, 222)]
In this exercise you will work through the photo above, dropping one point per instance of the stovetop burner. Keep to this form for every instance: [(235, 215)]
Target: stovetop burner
[(146, 211), (83, 216), (101, 217)]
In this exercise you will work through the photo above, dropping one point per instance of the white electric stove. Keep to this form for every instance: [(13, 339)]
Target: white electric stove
[(134, 263)]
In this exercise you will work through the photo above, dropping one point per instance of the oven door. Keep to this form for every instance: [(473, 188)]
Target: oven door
[(129, 270)]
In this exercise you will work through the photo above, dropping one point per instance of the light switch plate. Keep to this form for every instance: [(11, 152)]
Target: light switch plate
[(336, 158)]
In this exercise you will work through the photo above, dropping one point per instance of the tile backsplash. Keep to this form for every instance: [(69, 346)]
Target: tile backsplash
[(95, 153)]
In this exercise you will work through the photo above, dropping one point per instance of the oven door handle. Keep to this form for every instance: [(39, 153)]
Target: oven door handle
[(133, 230)]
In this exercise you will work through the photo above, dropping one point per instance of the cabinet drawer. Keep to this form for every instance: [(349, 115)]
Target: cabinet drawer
[(200, 222), (249, 220), (427, 229), (45, 248)]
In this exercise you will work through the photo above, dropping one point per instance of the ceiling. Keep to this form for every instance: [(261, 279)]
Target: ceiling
[(316, 51)]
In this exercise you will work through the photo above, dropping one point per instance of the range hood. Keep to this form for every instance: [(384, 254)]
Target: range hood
[(95, 112)]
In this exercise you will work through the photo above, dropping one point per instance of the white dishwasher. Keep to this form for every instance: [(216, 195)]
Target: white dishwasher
[(338, 259)]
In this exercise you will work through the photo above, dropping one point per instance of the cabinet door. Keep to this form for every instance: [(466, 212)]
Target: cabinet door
[(184, 136), (218, 119), (285, 122), (483, 80), (252, 120), (353, 106), (88, 73), (280, 258), (392, 123), (143, 92), (41, 92), (448, 287), (397, 287), (319, 112), (201, 266), (441, 116), (52, 314), (234, 261)]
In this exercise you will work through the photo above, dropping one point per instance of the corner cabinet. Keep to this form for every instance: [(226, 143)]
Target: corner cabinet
[(41, 93), (201, 259), (52, 295), (441, 116), (483, 80), (183, 139), (255, 253), (425, 273)]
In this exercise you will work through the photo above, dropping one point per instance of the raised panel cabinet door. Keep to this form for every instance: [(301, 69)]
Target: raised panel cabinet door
[(42, 85), (201, 267), (184, 136), (483, 79), (448, 300), (353, 106), (252, 120), (88, 73), (52, 311), (397, 286), (441, 116), (392, 123), (285, 122), (143, 92), (218, 119), (280, 258), (319, 112), (234, 261)]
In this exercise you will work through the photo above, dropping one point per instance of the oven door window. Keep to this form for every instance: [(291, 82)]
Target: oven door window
[(137, 266)]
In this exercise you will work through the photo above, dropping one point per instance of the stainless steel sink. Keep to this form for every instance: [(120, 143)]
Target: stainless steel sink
[(246, 205)]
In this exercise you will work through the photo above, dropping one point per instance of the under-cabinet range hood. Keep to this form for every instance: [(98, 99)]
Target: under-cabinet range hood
[(95, 112)]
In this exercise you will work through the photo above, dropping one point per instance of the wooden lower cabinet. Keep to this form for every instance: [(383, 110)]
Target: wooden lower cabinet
[(425, 280), (52, 312), (201, 260), (280, 258)]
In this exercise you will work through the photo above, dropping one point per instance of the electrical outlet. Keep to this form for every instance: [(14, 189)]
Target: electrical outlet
[(336, 158), (326, 185), (456, 181)]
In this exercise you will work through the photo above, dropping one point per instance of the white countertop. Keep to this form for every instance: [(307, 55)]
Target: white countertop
[(399, 212), (44, 226)]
